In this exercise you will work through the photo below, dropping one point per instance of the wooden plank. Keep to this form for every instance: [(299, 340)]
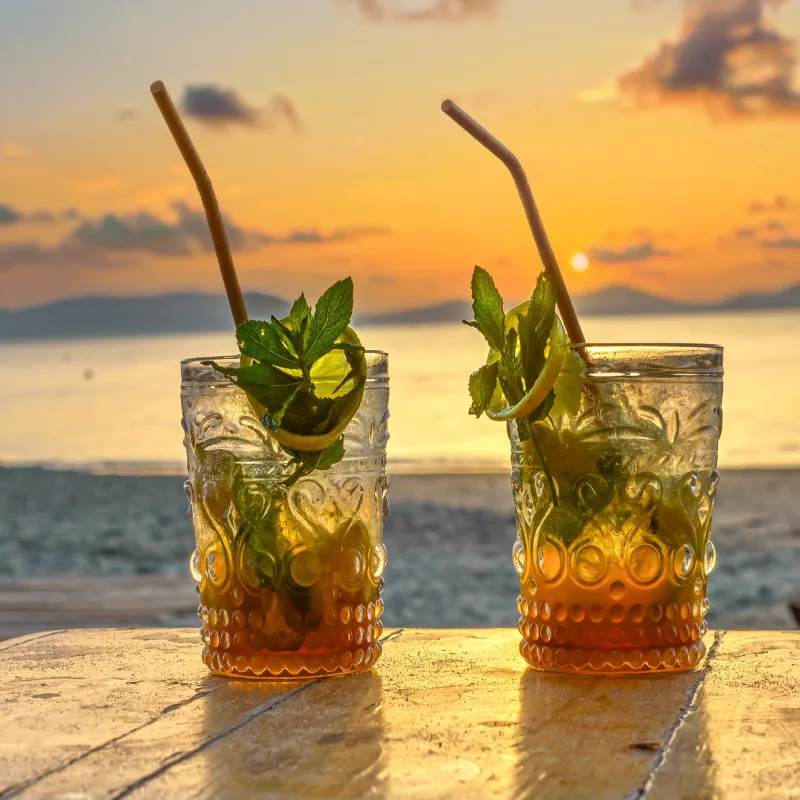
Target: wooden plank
[(445, 714), (740, 737), (68, 696), (42, 604)]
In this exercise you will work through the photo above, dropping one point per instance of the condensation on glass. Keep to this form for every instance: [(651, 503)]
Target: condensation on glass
[(289, 579), (613, 577)]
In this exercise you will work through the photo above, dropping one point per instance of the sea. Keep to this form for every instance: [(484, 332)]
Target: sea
[(113, 405)]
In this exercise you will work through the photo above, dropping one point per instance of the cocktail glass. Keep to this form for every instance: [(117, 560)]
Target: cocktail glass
[(289, 578), (613, 574)]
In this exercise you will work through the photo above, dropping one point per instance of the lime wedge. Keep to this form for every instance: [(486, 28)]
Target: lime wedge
[(500, 409)]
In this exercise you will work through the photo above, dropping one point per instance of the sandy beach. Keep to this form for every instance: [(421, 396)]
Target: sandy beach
[(449, 539)]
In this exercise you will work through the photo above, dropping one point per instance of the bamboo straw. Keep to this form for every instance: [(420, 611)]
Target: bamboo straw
[(210, 205), (494, 146)]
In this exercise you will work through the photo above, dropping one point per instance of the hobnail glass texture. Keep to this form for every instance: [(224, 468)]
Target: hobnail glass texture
[(613, 577), (289, 579)]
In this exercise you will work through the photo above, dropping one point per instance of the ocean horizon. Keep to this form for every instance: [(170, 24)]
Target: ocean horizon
[(113, 405)]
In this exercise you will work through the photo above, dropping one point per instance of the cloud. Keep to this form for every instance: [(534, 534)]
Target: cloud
[(627, 254), (220, 108), (8, 215), (783, 243), (115, 238), (284, 108), (429, 11), (143, 232), (16, 150), (777, 204), (756, 231), (13, 216), (66, 254), (148, 233), (727, 59)]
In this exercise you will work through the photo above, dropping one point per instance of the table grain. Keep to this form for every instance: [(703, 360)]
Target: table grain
[(113, 713)]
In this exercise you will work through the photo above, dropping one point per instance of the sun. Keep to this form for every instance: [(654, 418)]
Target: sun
[(580, 262)]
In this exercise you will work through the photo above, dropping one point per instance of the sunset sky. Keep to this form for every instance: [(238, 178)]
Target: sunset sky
[(662, 141)]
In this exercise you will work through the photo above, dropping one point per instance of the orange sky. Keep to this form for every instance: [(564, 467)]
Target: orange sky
[(681, 183)]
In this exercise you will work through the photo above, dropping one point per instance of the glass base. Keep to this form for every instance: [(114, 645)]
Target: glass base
[(612, 662), (245, 637), (290, 666)]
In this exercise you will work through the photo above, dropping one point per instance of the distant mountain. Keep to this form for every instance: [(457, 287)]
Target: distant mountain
[(454, 311), (613, 301), (787, 298), (89, 317), (131, 316), (622, 300)]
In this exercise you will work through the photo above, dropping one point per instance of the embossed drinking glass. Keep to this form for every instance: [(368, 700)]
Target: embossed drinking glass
[(613, 574), (289, 578)]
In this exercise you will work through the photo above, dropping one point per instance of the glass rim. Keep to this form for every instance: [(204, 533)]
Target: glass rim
[(652, 360), (652, 345)]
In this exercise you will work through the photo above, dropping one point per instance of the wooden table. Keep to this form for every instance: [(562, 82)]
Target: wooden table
[(446, 713)]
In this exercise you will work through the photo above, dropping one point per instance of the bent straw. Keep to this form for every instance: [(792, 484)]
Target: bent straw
[(494, 146), (210, 205)]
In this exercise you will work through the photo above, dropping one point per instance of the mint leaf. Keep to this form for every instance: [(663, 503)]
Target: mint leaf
[(262, 342), (349, 347), (331, 318), (269, 386), (542, 308), (300, 316), (332, 455), (291, 338), (273, 421), (487, 305), (339, 405), (482, 384), (535, 328), (306, 462)]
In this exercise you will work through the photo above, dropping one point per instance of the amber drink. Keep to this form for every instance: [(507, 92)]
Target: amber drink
[(613, 570), (289, 577)]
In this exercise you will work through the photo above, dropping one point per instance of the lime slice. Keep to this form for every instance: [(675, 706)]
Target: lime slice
[(315, 422), (500, 409)]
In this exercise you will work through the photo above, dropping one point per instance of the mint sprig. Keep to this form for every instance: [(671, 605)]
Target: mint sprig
[(280, 375), (517, 356)]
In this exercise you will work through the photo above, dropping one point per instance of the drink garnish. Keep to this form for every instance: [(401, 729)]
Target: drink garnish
[(530, 371), (305, 376)]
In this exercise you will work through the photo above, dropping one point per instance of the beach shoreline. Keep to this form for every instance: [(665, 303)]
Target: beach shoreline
[(87, 528)]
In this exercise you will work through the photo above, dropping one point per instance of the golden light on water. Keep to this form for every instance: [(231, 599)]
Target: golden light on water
[(580, 262)]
